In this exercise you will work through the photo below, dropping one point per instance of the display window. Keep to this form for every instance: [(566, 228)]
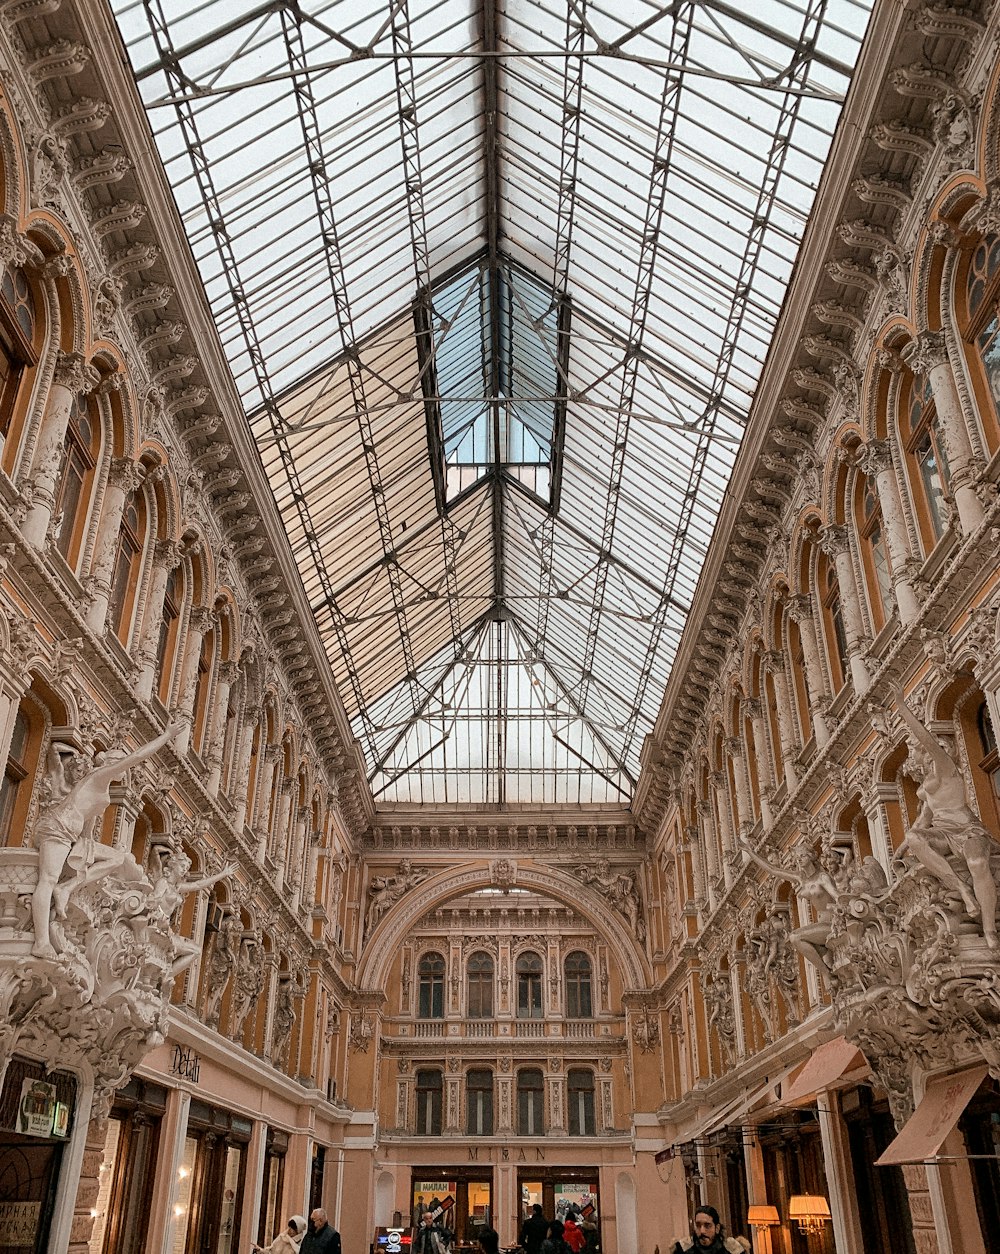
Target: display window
[(467, 1199), (36, 1111), (210, 1183), (272, 1218), (127, 1170), (561, 1192)]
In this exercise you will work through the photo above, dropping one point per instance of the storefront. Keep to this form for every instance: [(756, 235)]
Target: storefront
[(128, 1169), (466, 1195), (36, 1119), (560, 1191)]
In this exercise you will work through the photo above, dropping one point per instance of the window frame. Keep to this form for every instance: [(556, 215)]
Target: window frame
[(430, 985)]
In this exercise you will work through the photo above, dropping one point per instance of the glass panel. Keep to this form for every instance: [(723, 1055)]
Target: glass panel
[(606, 196), (229, 1219), (182, 1206)]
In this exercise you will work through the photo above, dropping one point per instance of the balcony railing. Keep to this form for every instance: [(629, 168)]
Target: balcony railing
[(568, 1029)]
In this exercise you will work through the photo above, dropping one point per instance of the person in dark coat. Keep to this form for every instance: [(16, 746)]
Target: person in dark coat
[(489, 1240), (534, 1230), (321, 1238), (708, 1236)]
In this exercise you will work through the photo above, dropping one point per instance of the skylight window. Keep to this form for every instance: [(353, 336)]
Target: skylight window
[(494, 379)]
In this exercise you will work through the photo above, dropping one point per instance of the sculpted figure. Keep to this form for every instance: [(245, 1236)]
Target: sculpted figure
[(385, 890), (815, 884), (169, 890), (225, 954), (78, 795), (946, 827), (619, 888), (284, 1021), (251, 975)]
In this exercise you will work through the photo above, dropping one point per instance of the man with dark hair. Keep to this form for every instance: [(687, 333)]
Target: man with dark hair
[(708, 1235), (534, 1230)]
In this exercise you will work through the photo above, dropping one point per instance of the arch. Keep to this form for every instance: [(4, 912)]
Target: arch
[(387, 938), (385, 1197), (626, 1218)]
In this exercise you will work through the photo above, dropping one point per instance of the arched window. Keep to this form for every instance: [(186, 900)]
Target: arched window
[(75, 475), (579, 1004), (874, 554), (530, 1102), (125, 572), (800, 680), (833, 617), (479, 1103), (14, 776), (430, 977), (580, 1090), (17, 332), (989, 763), (480, 977), (982, 333), (167, 639), (529, 986), (927, 462), (430, 1084)]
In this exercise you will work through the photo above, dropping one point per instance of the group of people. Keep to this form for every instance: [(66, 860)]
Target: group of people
[(321, 1237), (576, 1234)]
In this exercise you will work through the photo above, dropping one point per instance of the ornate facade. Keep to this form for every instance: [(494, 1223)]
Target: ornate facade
[(262, 994)]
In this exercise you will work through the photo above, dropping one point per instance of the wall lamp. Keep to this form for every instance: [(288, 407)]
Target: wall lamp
[(809, 1211)]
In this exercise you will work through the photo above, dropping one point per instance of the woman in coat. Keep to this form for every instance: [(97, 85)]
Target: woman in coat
[(286, 1242)]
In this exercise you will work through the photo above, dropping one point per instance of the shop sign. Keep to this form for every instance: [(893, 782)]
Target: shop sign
[(185, 1063), (37, 1109), (503, 1154), (18, 1223)]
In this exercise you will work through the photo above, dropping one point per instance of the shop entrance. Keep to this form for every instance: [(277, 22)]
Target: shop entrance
[(210, 1185), (35, 1120), (472, 1192), (560, 1190)]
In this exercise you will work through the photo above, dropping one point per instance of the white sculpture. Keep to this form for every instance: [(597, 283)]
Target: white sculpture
[(946, 828), (814, 884), (77, 797), (170, 888), (221, 964)]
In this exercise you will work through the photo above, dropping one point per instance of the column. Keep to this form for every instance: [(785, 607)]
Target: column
[(263, 798), (161, 1234), (695, 846), (876, 463), (453, 1097), (293, 870), (241, 773), (928, 355), (707, 833), (254, 1179), (166, 557), (800, 608), (765, 768), (839, 1174), (72, 376), (555, 1098), (225, 677), (833, 541), (124, 477), (200, 622), (735, 748), (283, 831), (776, 669)]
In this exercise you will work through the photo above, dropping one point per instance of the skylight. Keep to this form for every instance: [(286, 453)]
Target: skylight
[(499, 340)]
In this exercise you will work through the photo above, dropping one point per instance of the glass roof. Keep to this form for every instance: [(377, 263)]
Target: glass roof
[(496, 279)]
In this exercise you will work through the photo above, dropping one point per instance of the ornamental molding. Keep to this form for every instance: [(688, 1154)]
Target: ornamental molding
[(528, 836)]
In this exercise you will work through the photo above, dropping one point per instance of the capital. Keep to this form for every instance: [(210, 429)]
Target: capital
[(833, 539), (800, 608), (126, 474), (73, 372), (926, 352), (876, 456)]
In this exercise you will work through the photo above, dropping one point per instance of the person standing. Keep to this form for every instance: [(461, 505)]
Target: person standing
[(708, 1235), (533, 1230), (287, 1242), (431, 1237), (489, 1240), (321, 1238)]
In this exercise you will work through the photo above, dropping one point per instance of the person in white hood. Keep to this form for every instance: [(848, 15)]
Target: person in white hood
[(286, 1242)]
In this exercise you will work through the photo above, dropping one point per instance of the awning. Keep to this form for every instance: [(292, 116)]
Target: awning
[(823, 1068), (939, 1110)]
